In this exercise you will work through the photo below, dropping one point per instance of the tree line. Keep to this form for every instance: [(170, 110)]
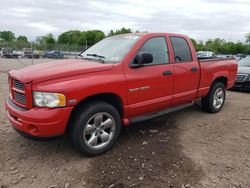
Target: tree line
[(79, 40), (69, 40), (221, 46)]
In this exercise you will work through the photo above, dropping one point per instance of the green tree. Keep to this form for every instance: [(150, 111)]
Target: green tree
[(229, 48), (83, 39), (194, 43), (93, 36), (99, 35), (71, 37), (7, 36), (216, 45), (63, 38), (111, 33), (77, 40), (21, 42), (49, 39), (240, 48), (22, 39), (39, 40), (39, 43), (200, 46), (46, 42), (124, 30), (90, 37), (120, 31)]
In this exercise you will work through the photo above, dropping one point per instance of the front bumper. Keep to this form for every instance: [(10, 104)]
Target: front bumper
[(242, 86), (38, 122)]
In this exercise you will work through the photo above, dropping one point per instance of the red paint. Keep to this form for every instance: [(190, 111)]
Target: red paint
[(78, 79)]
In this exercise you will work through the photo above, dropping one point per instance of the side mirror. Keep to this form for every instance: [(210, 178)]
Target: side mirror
[(141, 59)]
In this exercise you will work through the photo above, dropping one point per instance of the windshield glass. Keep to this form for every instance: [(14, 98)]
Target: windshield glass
[(244, 62), (112, 49)]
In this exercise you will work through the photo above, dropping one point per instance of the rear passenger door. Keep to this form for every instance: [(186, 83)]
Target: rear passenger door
[(186, 71)]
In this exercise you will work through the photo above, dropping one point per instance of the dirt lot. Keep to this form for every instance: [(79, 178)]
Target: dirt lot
[(189, 148)]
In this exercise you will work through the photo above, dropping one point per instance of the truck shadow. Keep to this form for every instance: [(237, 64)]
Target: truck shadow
[(148, 154)]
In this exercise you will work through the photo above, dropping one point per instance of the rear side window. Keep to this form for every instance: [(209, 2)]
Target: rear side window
[(158, 48), (182, 51)]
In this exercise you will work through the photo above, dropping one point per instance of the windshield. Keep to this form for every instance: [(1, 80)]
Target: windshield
[(244, 62), (112, 49)]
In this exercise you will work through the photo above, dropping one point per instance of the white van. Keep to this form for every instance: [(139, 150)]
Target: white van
[(205, 55)]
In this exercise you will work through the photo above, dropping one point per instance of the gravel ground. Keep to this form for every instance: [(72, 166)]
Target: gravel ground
[(189, 148)]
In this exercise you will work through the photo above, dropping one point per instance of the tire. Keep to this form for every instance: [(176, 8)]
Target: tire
[(94, 128), (215, 99)]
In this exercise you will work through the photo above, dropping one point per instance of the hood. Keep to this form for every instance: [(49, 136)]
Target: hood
[(56, 69), (244, 70)]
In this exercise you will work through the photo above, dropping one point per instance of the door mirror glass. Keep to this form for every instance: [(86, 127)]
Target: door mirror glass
[(143, 58)]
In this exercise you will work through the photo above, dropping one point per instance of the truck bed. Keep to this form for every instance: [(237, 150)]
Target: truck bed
[(211, 68)]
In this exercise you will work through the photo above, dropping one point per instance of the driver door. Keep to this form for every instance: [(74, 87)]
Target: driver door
[(150, 86)]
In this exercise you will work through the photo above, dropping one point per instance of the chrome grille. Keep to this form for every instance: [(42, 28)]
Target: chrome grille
[(248, 77), (241, 77), (18, 91), (19, 97), (18, 85)]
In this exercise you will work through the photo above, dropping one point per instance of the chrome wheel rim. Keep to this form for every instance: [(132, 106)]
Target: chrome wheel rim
[(218, 98), (99, 130)]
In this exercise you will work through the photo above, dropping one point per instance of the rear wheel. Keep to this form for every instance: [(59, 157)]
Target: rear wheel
[(95, 128), (215, 99)]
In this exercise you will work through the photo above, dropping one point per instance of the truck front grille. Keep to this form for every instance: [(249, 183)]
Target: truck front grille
[(241, 77), (18, 85), (18, 91), (21, 98)]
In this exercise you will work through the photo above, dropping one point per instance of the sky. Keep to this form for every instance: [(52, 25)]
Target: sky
[(199, 19)]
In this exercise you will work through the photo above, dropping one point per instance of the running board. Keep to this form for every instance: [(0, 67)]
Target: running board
[(159, 113)]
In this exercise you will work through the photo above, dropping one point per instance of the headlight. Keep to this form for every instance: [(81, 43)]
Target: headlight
[(51, 100)]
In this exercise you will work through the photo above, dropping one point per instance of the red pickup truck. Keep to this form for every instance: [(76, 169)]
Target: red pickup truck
[(119, 80)]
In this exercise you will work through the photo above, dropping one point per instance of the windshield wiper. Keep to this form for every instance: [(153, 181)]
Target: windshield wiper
[(96, 55), (100, 57)]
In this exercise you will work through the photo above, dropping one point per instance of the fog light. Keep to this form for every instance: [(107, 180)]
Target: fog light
[(19, 119)]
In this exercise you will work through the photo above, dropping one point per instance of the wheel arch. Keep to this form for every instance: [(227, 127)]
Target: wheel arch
[(110, 98), (222, 79)]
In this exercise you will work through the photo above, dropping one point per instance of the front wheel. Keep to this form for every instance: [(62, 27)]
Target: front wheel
[(95, 128), (215, 99)]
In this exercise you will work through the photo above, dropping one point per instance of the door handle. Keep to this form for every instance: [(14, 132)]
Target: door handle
[(194, 69), (167, 73)]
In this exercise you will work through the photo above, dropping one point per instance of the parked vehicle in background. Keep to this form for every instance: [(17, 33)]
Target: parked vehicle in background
[(30, 53), (119, 80), (9, 53), (17, 53), (241, 55), (205, 55), (6, 52), (53, 55), (238, 58), (230, 56), (243, 75)]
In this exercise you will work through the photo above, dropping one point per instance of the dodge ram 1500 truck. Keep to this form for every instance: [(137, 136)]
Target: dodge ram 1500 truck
[(119, 80)]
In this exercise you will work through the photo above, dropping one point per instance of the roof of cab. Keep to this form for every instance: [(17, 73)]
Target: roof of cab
[(153, 34)]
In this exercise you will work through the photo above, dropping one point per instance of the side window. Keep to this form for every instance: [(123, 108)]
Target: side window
[(158, 48), (181, 49)]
